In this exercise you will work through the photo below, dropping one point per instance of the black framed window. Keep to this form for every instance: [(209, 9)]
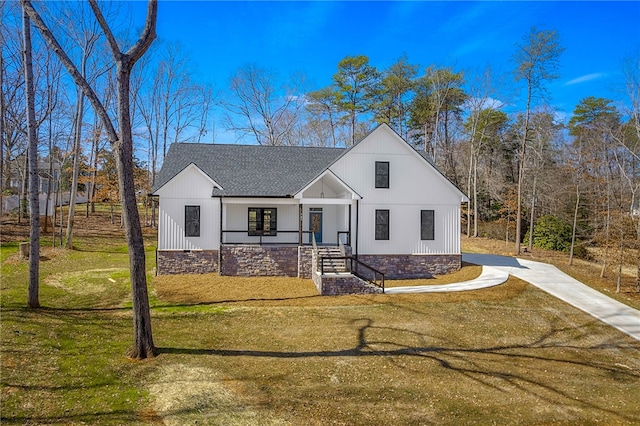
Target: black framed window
[(382, 224), (192, 221), (263, 221), (427, 224), (382, 174)]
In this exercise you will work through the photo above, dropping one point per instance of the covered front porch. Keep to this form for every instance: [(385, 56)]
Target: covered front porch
[(274, 235), (325, 210)]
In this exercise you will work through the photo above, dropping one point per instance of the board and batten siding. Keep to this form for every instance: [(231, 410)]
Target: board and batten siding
[(191, 187), (414, 185)]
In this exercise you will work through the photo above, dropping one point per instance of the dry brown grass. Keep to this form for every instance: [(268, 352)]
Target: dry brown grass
[(246, 351), (213, 289), (505, 355)]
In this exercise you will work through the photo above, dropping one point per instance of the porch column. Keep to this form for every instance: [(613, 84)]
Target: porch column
[(349, 229), (300, 224), (221, 222)]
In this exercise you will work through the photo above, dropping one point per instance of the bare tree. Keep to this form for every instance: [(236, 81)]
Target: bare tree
[(537, 60), (53, 73), (122, 143), (172, 107), (261, 106), (632, 79), (481, 117), (206, 97), (1, 124), (34, 202), (436, 111), (544, 133)]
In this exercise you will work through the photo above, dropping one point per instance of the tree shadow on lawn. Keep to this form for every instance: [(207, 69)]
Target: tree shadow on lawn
[(111, 417), (493, 372)]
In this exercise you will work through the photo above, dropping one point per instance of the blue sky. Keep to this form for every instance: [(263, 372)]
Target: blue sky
[(313, 36)]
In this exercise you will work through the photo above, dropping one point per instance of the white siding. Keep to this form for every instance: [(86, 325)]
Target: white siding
[(414, 185), (189, 188)]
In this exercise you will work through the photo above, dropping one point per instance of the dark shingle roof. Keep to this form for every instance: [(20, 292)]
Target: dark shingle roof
[(250, 170)]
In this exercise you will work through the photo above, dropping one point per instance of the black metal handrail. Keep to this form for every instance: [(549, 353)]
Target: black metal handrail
[(350, 261), (261, 241), (260, 237)]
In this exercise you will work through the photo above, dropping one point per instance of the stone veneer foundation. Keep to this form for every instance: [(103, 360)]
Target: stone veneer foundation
[(170, 262), (305, 259), (294, 261), (412, 266), (250, 260)]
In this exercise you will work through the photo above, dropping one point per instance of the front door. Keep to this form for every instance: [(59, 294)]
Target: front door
[(315, 225)]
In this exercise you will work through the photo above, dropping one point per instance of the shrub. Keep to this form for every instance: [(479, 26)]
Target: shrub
[(552, 233)]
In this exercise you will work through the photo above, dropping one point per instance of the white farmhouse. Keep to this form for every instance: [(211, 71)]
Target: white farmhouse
[(258, 210)]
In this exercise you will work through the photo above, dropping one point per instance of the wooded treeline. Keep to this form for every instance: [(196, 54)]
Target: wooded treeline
[(570, 185)]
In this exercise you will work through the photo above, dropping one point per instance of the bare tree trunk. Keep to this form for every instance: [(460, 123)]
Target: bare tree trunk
[(638, 248), (76, 170), (34, 254), (2, 113), (523, 151), (506, 237), (575, 224), (24, 189), (475, 199), (620, 261), (49, 177), (471, 156), (607, 235), (94, 174), (143, 342), (531, 214), (122, 143), (54, 214)]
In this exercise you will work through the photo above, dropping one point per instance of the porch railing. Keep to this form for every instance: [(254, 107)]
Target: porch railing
[(292, 237), (264, 239)]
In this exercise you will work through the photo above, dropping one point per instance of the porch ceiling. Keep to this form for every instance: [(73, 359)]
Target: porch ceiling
[(327, 188)]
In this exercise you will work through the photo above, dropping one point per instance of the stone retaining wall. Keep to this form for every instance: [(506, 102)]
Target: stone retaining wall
[(413, 266), (339, 284), (250, 260), (170, 262)]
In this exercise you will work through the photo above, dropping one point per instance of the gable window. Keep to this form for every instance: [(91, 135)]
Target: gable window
[(382, 224), (263, 221), (382, 174), (427, 224), (191, 221)]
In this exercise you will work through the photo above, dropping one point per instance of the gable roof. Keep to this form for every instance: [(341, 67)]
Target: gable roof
[(423, 155), (250, 170), (261, 170)]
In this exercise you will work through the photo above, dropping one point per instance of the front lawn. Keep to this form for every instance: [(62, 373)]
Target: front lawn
[(270, 351)]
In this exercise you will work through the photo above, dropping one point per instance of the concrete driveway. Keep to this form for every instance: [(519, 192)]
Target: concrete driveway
[(555, 282)]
